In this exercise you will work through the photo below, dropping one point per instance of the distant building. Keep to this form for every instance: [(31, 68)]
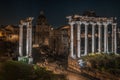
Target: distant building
[(42, 31), (9, 33), (59, 40)]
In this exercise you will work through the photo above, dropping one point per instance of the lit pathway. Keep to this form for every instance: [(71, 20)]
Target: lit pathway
[(73, 76), (70, 75)]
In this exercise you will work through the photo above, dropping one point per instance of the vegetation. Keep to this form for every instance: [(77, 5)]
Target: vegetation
[(104, 62), (12, 70)]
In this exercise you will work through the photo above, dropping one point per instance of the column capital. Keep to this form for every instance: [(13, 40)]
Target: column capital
[(93, 23), (29, 19), (114, 24), (78, 22), (98, 23), (86, 23), (71, 23), (20, 25), (105, 23)]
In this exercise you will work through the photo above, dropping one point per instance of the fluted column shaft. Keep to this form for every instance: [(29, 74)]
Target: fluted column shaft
[(105, 37), (115, 42), (30, 26), (27, 40), (21, 40), (93, 37), (99, 38), (86, 39), (78, 39), (71, 39), (112, 38)]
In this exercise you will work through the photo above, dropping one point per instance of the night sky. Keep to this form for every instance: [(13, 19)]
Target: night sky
[(11, 11)]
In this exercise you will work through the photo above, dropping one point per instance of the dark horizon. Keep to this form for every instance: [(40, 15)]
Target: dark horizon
[(12, 11)]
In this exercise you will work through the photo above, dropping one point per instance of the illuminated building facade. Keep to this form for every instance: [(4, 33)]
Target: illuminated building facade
[(103, 25)]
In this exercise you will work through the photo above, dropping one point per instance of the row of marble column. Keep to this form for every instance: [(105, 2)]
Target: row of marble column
[(28, 39), (105, 24)]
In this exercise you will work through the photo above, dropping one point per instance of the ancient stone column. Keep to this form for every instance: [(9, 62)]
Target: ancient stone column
[(93, 37), (71, 39), (112, 37), (99, 37), (115, 38), (27, 39), (86, 38), (30, 26), (105, 37), (78, 39), (21, 40)]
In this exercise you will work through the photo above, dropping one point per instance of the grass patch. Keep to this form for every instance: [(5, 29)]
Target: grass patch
[(13, 70), (104, 62)]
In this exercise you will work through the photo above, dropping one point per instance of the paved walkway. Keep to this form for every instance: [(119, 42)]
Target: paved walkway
[(70, 75), (73, 76)]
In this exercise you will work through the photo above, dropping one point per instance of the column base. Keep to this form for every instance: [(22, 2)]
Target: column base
[(30, 60), (105, 52), (20, 58), (73, 56), (25, 59)]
